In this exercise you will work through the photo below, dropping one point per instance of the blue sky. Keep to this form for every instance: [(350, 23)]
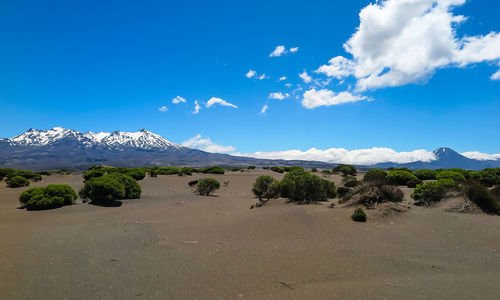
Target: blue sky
[(111, 65)]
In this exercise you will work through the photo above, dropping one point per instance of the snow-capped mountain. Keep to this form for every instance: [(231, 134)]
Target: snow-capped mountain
[(142, 139), (58, 148)]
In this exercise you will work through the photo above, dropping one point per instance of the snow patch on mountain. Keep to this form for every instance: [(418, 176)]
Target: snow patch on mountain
[(117, 139)]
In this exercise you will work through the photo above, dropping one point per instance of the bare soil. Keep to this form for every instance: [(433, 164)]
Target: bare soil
[(174, 244)]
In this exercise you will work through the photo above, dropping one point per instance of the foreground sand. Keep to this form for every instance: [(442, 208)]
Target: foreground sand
[(173, 244)]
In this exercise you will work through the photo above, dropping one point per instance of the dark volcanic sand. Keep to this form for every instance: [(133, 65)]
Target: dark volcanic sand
[(173, 244)]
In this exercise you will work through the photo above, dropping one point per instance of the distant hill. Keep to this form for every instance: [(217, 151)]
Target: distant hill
[(446, 158), (65, 148), (58, 148)]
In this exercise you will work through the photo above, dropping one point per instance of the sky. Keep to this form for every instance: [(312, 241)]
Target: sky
[(350, 81)]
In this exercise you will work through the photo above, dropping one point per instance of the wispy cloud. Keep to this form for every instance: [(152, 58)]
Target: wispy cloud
[(264, 109), (163, 108), (250, 74), (197, 107), (304, 76), (282, 78), (178, 100), (294, 49), (340, 155), (278, 96), (215, 100), (314, 98), (481, 156), (278, 51), (206, 144)]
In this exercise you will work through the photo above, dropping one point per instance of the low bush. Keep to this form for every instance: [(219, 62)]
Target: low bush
[(345, 169), (103, 190), (266, 187), (482, 197), (278, 169), (359, 215), (132, 188), (314, 170), (212, 170), (235, 169), (17, 181), (326, 173), (342, 191), (425, 174), (251, 167), (400, 177), (403, 169), (51, 196), (413, 182), (375, 175), (207, 185), (303, 187), (429, 192), (372, 194), (490, 176), (457, 177), (350, 181)]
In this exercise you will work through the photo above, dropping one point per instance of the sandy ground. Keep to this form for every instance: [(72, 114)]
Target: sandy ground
[(173, 244)]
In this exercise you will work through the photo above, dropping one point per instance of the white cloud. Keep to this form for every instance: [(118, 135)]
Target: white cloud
[(481, 156), (263, 76), (280, 50), (282, 78), (219, 101), (294, 49), (314, 98), (496, 76), (305, 77), (399, 42), (197, 107), (178, 100), (206, 144), (250, 74), (163, 108), (288, 85), (264, 109), (278, 96), (340, 155)]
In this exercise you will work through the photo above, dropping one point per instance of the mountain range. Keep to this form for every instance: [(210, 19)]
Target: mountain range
[(58, 148)]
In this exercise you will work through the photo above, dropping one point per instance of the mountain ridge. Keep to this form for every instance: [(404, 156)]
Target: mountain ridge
[(59, 147)]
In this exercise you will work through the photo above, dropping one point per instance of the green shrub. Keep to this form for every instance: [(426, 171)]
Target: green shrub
[(490, 176), (187, 171), (103, 190), (345, 169), (303, 187), (251, 167), (403, 169), (314, 170), (371, 194), (207, 185), (266, 187), (375, 175), (342, 191), (236, 169), (132, 188), (496, 190), (17, 181), (212, 170), (457, 177), (483, 198), (94, 173), (326, 173), (359, 215), (350, 181), (425, 174), (278, 169), (63, 191), (135, 173), (413, 182), (400, 177), (52, 196), (432, 191)]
